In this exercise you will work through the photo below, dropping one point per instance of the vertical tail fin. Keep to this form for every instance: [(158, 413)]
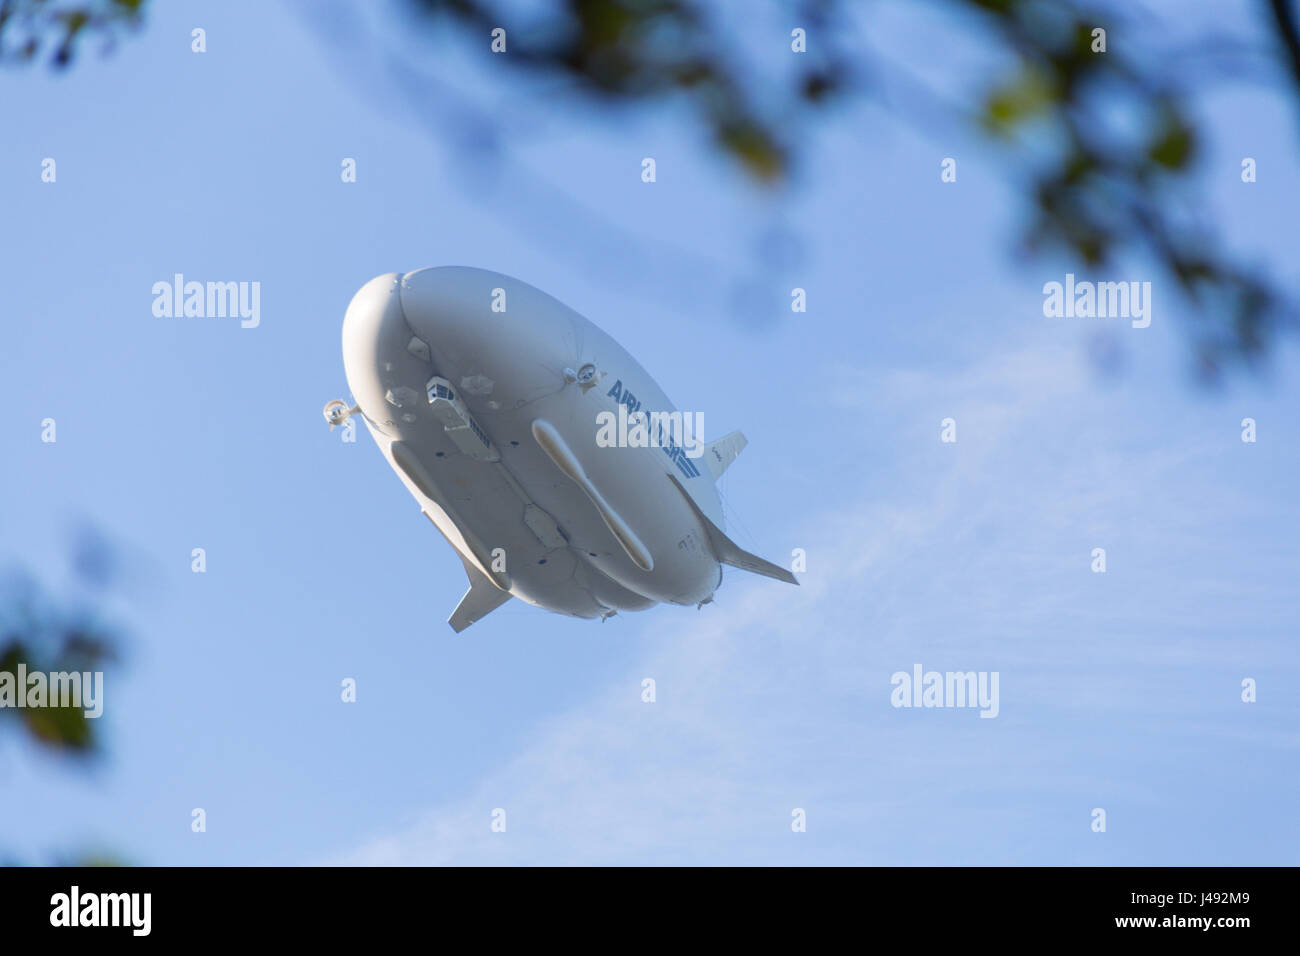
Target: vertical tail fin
[(482, 598), (719, 455)]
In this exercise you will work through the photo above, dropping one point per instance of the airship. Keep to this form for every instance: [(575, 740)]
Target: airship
[(494, 402)]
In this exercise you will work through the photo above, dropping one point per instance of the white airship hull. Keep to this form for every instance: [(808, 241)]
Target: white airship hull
[(509, 469)]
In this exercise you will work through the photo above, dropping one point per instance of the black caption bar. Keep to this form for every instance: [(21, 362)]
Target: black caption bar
[(236, 904)]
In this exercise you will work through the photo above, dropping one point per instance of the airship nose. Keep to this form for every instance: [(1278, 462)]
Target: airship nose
[(503, 341), (377, 356), (371, 315)]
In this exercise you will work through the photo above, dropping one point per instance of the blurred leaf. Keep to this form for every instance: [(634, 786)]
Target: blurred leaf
[(1173, 145), (1029, 95), (60, 728), (757, 151)]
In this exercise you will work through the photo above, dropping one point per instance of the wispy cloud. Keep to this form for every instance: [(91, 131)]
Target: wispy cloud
[(777, 698)]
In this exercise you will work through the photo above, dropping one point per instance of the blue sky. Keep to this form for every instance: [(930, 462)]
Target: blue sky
[(1119, 691)]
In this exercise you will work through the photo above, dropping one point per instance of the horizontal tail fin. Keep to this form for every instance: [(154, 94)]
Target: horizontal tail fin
[(727, 551)]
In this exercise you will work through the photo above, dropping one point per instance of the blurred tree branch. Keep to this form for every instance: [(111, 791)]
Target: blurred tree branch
[(41, 633), (30, 27), (1096, 195), (1285, 20), (49, 635)]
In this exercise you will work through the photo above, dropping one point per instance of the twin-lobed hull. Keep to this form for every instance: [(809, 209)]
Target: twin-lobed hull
[(540, 510)]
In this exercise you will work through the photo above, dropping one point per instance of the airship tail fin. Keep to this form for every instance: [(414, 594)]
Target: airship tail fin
[(727, 551), (719, 455), (482, 598)]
